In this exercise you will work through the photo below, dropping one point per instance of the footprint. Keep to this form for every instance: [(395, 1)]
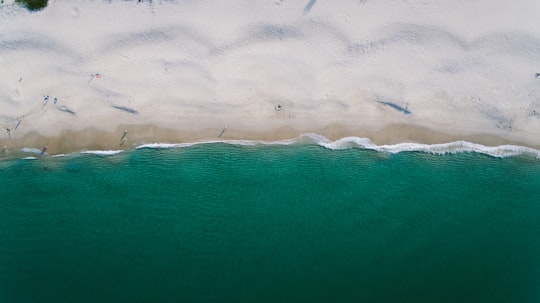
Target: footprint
[(15, 94), (74, 12)]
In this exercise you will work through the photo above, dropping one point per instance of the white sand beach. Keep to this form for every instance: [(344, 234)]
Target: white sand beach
[(171, 71)]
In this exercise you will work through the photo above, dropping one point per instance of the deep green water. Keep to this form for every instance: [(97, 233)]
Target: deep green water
[(300, 223)]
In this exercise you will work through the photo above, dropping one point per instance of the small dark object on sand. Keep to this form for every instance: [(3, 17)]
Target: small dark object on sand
[(44, 150), (18, 123), (537, 75), (45, 100), (397, 107), (124, 134), (222, 132), (308, 7), (126, 109), (92, 76), (33, 5), (66, 109)]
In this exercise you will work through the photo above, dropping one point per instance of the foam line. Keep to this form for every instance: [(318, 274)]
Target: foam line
[(102, 152), (31, 150), (500, 151)]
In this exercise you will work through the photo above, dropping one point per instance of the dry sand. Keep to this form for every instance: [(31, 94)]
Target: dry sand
[(179, 71)]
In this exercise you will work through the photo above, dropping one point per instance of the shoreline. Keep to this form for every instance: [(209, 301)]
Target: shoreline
[(73, 141)]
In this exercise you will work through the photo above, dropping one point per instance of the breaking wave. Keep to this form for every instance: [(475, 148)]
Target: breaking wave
[(500, 151)]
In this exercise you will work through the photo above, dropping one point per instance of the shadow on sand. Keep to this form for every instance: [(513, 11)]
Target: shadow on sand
[(405, 110)]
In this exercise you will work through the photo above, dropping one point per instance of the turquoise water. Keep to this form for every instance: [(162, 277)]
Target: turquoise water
[(296, 223)]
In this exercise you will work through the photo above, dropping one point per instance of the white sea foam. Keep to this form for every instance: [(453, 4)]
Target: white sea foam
[(31, 150), (438, 149), (34, 151), (500, 151), (455, 147), (164, 145), (102, 152), (232, 142)]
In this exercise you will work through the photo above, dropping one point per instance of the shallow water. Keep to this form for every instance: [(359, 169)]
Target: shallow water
[(293, 223)]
